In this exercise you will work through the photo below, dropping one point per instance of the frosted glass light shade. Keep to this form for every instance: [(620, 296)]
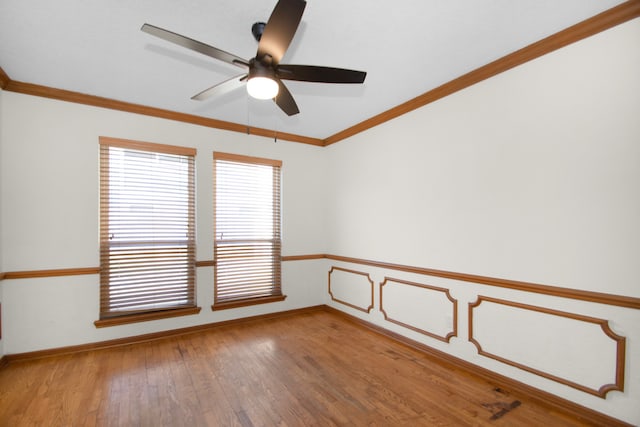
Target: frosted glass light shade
[(262, 87)]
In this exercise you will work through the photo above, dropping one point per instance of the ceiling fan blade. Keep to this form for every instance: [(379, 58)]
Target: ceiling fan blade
[(312, 73), (280, 29), (195, 45), (285, 100), (221, 88)]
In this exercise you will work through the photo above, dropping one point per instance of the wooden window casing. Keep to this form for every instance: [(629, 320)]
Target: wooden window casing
[(147, 231), (247, 230)]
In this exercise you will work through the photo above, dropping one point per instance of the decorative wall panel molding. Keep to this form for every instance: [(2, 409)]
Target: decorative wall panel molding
[(425, 309), (351, 288), (556, 291), (568, 348)]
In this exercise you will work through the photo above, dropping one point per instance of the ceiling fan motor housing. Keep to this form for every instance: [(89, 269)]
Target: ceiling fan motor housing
[(261, 68)]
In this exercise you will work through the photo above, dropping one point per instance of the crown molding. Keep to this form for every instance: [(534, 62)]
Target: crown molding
[(4, 79), (97, 101), (589, 27)]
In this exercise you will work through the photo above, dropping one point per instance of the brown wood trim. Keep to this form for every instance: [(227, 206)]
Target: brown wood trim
[(303, 257), (603, 21), (578, 411), (96, 270), (145, 317), (206, 263), (71, 271), (50, 273), (231, 157), (366, 275), (146, 146), (212, 263), (583, 413), (598, 23), (138, 339), (604, 324), (454, 302), (97, 101), (4, 79), (598, 297), (247, 302)]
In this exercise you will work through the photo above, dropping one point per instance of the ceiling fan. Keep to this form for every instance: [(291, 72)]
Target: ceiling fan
[(264, 73)]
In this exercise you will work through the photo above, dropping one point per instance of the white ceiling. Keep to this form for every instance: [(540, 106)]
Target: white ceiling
[(407, 48)]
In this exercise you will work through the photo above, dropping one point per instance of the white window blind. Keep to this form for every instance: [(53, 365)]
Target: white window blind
[(147, 227), (247, 244)]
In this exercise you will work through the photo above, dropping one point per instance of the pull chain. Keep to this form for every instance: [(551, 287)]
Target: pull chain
[(275, 130)]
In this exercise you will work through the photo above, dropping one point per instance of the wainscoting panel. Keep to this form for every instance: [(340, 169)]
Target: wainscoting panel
[(575, 350), (426, 309), (351, 288)]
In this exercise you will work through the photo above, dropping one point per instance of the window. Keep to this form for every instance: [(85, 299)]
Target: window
[(147, 231), (247, 231)]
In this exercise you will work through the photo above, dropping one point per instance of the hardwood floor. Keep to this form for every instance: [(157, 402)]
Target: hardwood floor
[(314, 368)]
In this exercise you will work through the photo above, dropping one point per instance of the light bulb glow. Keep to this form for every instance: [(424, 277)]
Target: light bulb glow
[(262, 87)]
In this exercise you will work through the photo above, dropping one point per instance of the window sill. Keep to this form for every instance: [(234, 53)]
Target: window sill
[(246, 302), (144, 317)]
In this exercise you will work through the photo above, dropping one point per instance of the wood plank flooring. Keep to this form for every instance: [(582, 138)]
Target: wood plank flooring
[(314, 369)]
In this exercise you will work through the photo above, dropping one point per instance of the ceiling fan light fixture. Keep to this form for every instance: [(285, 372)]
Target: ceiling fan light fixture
[(265, 73), (261, 87)]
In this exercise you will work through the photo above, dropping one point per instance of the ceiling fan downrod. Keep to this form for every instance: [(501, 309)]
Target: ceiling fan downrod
[(257, 29)]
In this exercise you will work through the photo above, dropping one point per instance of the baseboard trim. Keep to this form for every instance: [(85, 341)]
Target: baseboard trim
[(581, 412), (137, 339), (542, 397)]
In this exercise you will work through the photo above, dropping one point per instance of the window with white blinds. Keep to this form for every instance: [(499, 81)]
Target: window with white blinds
[(247, 244), (147, 227)]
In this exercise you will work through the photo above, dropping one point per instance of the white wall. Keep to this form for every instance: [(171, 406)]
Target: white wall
[(532, 175), (49, 209)]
